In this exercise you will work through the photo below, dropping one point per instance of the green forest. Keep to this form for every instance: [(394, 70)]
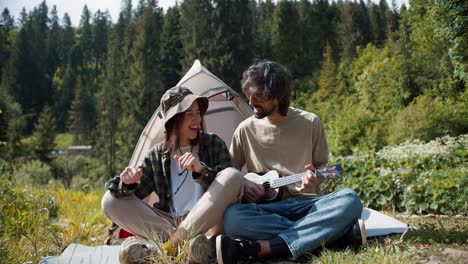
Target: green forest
[(377, 75), (389, 83)]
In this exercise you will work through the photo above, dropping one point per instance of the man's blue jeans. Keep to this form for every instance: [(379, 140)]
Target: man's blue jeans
[(304, 223)]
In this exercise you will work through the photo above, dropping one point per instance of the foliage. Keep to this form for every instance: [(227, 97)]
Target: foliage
[(33, 172), (428, 118), (24, 222), (37, 222), (63, 141), (388, 74), (44, 135), (415, 177), (286, 36)]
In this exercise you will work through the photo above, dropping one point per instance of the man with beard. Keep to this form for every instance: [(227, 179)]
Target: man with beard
[(288, 140)]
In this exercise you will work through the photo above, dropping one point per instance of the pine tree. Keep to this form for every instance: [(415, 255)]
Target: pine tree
[(110, 98), (18, 80), (110, 109), (287, 36), (6, 26), (44, 135), (328, 81), (403, 56), (145, 89), (377, 18), (349, 32), (101, 25), (263, 43), (67, 40), (197, 31), (171, 48), (81, 115), (65, 75), (42, 77), (233, 41)]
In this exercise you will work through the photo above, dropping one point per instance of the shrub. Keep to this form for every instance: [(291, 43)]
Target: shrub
[(33, 172), (415, 177)]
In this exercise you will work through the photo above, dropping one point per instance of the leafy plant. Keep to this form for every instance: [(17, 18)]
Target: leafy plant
[(416, 177)]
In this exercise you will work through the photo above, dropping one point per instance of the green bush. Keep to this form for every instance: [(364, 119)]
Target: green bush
[(415, 177), (428, 118), (33, 172), (25, 221)]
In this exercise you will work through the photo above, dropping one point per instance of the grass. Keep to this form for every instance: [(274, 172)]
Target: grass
[(76, 217)]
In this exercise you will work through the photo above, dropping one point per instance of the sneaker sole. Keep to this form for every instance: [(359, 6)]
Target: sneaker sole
[(219, 252), (362, 228), (199, 249)]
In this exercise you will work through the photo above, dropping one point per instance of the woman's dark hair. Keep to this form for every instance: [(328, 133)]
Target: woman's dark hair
[(272, 80), (171, 137)]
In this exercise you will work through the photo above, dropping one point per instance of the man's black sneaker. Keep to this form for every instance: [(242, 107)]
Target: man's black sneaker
[(231, 250), (356, 235)]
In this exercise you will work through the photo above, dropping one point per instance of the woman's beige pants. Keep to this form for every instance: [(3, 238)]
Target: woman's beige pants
[(143, 220)]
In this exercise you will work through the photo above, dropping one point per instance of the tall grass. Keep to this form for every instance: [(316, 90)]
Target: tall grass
[(37, 222)]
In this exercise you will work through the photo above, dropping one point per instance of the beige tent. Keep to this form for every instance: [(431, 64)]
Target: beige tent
[(226, 110)]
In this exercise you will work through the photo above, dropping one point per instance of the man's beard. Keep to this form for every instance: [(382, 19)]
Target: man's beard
[(264, 113)]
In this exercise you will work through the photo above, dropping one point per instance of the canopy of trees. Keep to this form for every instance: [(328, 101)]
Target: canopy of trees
[(376, 74)]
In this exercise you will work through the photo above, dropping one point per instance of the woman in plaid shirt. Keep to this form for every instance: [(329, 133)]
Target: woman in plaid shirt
[(190, 171)]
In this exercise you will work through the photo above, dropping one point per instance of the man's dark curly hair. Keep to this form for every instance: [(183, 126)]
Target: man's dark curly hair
[(272, 80)]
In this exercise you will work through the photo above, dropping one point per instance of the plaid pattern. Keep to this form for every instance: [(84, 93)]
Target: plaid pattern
[(213, 154)]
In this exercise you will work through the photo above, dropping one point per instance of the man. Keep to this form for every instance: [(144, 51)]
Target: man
[(288, 140)]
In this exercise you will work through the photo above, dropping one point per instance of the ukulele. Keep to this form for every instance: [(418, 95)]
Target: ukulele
[(272, 181)]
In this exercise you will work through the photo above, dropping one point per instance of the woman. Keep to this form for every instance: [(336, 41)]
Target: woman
[(191, 173)]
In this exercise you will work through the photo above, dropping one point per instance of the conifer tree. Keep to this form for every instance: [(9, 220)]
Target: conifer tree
[(82, 114), (263, 43), (171, 48), (145, 89), (53, 41), (349, 32), (100, 28), (287, 36), (110, 98), (233, 40), (81, 120), (64, 76), (327, 82), (18, 80), (44, 135), (403, 57), (110, 109), (197, 31), (6, 26), (377, 18), (66, 40)]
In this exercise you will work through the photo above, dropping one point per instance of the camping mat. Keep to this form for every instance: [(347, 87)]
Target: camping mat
[(377, 224)]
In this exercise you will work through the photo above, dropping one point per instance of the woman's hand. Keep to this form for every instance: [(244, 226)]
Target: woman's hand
[(131, 175), (189, 161)]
